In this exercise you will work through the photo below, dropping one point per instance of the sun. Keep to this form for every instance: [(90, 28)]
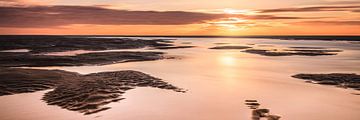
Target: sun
[(230, 24), (236, 11)]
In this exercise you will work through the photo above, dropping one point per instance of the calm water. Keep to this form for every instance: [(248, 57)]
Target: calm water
[(218, 82)]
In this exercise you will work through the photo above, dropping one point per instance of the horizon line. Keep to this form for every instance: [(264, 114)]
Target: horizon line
[(182, 35), (281, 37)]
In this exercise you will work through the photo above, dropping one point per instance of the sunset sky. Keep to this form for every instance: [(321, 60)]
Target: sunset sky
[(180, 17)]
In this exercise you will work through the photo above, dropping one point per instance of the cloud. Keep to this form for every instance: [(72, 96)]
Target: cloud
[(343, 2), (16, 1), (53, 16), (273, 17), (44, 16), (358, 10), (312, 9), (345, 22)]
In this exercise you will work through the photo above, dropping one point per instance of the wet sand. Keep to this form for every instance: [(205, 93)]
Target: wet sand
[(299, 51), (343, 80), (44, 44), (96, 58), (87, 94), (219, 82)]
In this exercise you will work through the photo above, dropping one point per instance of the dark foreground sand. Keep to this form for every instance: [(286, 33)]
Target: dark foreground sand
[(83, 93)]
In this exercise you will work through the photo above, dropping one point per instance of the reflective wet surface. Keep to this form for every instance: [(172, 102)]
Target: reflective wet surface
[(218, 83)]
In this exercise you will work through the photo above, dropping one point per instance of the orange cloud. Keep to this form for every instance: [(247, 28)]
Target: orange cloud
[(344, 22), (313, 9), (55, 16), (104, 19)]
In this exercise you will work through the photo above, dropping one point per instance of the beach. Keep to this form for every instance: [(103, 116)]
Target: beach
[(211, 84)]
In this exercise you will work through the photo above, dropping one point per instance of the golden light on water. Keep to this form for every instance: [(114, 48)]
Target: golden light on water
[(230, 69), (227, 59)]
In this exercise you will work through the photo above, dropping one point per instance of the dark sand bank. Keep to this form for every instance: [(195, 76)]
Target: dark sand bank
[(299, 51), (45, 44), (39, 46), (274, 51), (8, 59), (72, 91), (173, 47), (259, 113), (229, 47), (344, 80), (83, 93), (301, 47), (16, 80), (312, 51)]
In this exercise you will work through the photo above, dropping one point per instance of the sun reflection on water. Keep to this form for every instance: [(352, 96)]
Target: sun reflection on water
[(228, 60), (227, 63)]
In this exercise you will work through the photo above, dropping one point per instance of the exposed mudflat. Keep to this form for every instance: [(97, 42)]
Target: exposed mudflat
[(17, 80), (73, 91), (45, 44), (83, 93), (258, 113), (230, 47), (174, 47), (313, 51), (344, 80), (38, 47), (299, 51), (302, 47), (31, 60), (275, 51)]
